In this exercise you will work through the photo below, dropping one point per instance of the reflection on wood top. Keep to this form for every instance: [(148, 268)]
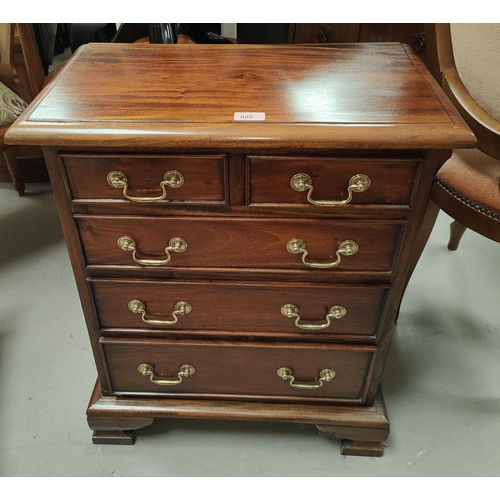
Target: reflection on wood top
[(355, 95)]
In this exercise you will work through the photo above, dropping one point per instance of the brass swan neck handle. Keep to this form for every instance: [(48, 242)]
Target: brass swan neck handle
[(171, 178), (346, 248), (357, 184), (292, 311), (177, 245), (184, 372), (180, 309), (325, 375)]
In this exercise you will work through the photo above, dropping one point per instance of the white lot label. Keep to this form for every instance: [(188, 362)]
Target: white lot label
[(251, 117)]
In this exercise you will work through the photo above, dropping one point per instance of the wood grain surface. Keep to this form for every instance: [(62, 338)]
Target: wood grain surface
[(240, 369), (362, 95), (240, 243), (238, 307), (205, 177), (268, 178)]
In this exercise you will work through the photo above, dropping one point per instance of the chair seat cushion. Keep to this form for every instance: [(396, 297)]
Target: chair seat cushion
[(473, 177), (11, 105)]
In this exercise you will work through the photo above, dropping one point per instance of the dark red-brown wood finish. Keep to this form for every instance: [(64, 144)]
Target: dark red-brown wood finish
[(313, 97), (242, 269)]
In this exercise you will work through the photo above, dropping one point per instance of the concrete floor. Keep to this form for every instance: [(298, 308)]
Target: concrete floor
[(440, 383)]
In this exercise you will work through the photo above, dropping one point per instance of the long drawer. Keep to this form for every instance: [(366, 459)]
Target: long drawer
[(165, 179), (279, 180), (239, 369), (187, 243), (173, 306)]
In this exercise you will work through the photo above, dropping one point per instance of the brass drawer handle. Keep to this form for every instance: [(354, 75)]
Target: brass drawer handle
[(346, 248), (357, 184), (181, 308), (184, 371), (172, 178), (292, 311), (127, 244), (324, 376)]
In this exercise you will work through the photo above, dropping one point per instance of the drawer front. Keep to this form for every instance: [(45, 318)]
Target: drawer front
[(270, 181), (137, 179), (238, 307), (334, 246), (240, 370)]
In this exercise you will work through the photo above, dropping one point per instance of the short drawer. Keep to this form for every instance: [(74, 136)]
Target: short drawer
[(239, 369), (193, 243), (148, 179), (274, 180), (238, 308)]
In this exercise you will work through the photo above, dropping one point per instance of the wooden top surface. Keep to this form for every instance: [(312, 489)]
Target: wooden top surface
[(176, 96)]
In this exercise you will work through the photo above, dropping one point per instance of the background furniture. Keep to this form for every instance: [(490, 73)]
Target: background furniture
[(21, 72), (45, 35), (271, 33), (467, 187), (11, 105), (22, 81), (168, 33), (237, 265), (410, 33)]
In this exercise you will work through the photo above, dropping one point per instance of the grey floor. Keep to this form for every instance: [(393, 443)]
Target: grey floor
[(440, 384)]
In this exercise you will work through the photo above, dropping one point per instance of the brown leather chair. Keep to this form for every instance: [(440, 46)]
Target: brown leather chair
[(467, 186)]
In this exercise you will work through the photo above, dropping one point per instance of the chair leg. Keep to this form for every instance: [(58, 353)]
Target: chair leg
[(13, 166), (457, 230)]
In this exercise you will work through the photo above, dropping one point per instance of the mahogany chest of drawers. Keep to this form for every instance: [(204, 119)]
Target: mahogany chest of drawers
[(240, 221)]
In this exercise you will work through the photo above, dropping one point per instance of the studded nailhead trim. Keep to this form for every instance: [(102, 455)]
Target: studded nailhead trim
[(471, 204)]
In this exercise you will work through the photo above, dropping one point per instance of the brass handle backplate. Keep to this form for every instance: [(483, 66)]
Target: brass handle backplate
[(346, 248), (184, 372), (292, 311), (172, 178), (180, 309), (324, 376), (127, 244), (357, 184)]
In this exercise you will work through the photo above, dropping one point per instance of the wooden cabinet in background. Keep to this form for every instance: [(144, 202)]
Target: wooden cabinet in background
[(410, 33)]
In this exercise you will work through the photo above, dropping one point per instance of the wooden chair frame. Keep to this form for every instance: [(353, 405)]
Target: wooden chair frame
[(9, 76), (485, 127), (441, 63)]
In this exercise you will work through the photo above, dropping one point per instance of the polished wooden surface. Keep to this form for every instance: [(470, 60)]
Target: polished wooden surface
[(358, 89), (249, 308), (269, 179), (243, 370), (250, 243), (333, 112), (205, 177)]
